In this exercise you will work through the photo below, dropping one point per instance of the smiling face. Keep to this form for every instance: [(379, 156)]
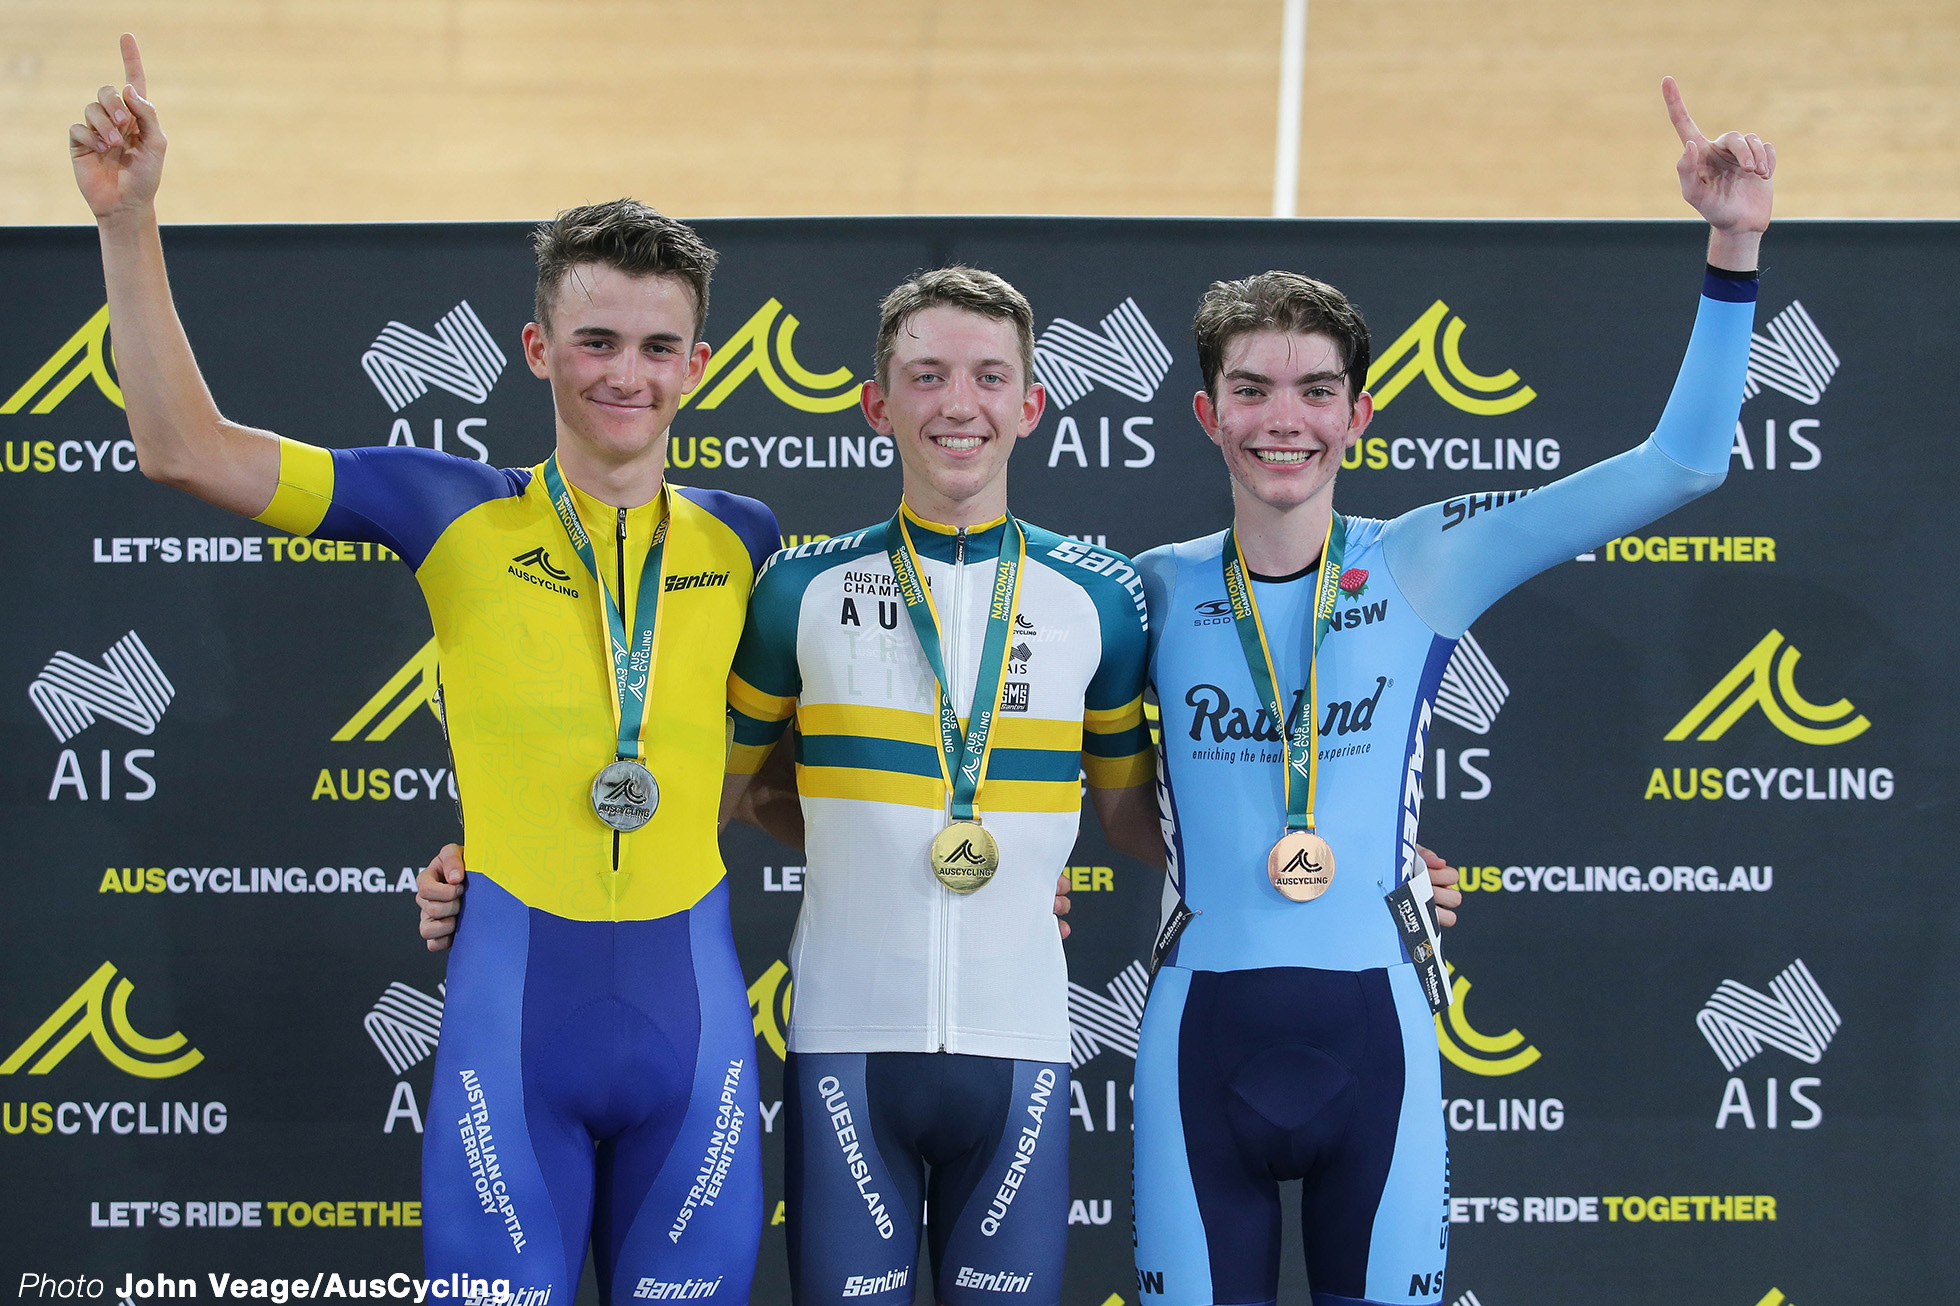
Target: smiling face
[(620, 353), (1282, 415), (955, 402)]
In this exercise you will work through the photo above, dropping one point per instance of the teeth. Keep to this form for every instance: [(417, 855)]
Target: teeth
[(959, 443), (1284, 457)]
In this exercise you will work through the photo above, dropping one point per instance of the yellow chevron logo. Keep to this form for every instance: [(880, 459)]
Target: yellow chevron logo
[(1480, 1054), (769, 1001), (414, 686), (104, 1017), (765, 347), (1433, 350), (1774, 1297), (1766, 677), (86, 354)]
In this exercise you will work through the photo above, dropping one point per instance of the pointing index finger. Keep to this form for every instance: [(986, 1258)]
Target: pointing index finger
[(133, 66), (1677, 112)]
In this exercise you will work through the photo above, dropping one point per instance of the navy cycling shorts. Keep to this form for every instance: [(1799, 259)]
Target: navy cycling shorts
[(1246, 1078), (864, 1129), (594, 1080)]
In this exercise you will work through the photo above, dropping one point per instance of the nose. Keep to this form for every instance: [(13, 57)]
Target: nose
[(961, 400), (1286, 414), (627, 372)]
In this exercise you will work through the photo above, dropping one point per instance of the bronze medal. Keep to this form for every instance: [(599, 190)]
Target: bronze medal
[(964, 856), (1301, 865)]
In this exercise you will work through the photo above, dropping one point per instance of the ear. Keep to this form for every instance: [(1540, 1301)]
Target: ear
[(1032, 405), (1362, 413), (535, 341), (697, 365), (1207, 412), (872, 400)]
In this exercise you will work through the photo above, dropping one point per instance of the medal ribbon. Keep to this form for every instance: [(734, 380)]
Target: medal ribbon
[(1298, 746), (632, 662), (962, 754)]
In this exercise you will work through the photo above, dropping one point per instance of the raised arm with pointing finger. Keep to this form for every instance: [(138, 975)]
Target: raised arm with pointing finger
[(181, 437)]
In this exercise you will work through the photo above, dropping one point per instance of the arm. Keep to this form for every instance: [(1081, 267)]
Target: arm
[(767, 799), (1129, 821), (1455, 559), (181, 438)]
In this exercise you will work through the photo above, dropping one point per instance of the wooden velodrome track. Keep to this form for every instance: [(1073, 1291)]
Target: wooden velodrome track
[(344, 110)]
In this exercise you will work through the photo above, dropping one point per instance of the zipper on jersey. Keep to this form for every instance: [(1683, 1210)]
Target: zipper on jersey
[(954, 609), (619, 562)]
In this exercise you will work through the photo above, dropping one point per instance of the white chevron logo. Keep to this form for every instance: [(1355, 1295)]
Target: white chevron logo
[(1471, 693), (460, 358), (1467, 1299), (404, 1024), (1109, 1019), (133, 691), (1793, 359), (1129, 357), (1739, 1022)]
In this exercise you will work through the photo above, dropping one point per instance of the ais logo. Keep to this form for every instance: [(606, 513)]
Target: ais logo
[(764, 346), (100, 1012), (1766, 678), (85, 356), (1478, 1053), (1432, 349)]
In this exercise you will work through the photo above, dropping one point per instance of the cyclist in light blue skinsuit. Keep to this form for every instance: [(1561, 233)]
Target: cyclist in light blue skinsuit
[(1290, 1039)]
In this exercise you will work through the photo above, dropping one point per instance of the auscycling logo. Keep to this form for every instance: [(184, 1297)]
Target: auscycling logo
[(1766, 679), (1431, 349), (1469, 1049), (84, 356), (553, 579), (413, 686), (99, 1011), (764, 347)]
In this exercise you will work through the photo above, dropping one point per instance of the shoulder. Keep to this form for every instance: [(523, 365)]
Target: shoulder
[(1363, 532), (750, 519), (426, 473), (794, 569), (1110, 578)]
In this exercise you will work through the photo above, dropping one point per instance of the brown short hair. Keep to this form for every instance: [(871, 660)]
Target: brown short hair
[(627, 235), (955, 287), (1279, 301)]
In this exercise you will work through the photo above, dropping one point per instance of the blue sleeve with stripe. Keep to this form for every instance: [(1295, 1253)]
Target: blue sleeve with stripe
[(405, 498), (1454, 559)]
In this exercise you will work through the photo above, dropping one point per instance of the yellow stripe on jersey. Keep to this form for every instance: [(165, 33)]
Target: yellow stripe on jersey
[(305, 488), (752, 702), (905, 727), (929, 791), (1112, 720), (1118, 772)]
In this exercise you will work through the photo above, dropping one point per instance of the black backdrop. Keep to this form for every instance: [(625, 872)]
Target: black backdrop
[(1708, 1040)]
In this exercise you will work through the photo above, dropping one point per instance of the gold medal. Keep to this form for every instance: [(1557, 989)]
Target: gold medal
[(1301, 865), (964, 856)]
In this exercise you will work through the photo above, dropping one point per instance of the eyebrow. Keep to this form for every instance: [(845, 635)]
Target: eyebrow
[(941, 365), (607, 333), (1259, 378)]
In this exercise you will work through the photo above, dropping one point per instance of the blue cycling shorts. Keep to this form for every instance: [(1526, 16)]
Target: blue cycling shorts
[(1247, 1078), (594, 1080), (863, 1131)]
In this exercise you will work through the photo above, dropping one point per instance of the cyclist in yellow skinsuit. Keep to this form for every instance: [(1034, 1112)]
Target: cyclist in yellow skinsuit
[(595, 1075)]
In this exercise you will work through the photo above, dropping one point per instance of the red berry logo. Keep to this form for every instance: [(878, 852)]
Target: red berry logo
[(1354, 582)]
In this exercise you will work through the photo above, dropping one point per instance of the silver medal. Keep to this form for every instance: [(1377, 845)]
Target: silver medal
[(625, 795)]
